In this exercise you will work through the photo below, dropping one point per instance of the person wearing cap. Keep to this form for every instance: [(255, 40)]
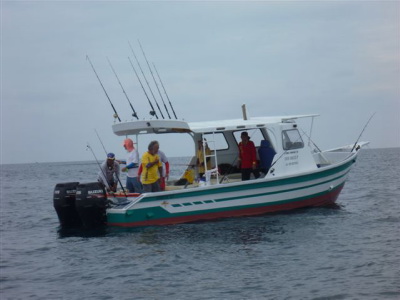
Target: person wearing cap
[(132, 165), (247, 161), (109, 173), (151, 169)]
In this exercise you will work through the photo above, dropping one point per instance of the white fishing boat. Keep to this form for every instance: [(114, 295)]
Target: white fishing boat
[(296, 174)]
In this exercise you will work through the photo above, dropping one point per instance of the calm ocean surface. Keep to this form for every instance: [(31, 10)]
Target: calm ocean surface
[(348, 252)]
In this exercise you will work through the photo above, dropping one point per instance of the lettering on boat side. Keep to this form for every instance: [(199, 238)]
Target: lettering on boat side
[(291, 158), (95, 192), (56, 192), (292, 152)]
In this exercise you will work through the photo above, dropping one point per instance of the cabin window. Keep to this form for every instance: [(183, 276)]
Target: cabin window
[(255, 135), (216, 141), (291, 139)]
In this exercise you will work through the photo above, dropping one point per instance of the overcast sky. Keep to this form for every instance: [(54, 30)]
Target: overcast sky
[(339, 59)]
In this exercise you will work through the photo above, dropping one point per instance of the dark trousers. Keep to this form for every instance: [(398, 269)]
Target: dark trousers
[(133, 185), (152, 187), (247, 172)]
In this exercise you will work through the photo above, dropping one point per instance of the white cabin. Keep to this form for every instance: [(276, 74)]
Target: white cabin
[(292, 154)]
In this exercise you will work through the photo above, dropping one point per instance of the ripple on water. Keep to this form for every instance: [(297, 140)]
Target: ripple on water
[(344, 252)]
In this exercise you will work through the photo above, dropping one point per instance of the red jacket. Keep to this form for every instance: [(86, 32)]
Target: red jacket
[(247, 154)]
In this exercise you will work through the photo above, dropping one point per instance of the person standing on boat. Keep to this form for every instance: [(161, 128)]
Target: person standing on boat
[(165, 163), (200, 157), (165, 173), (109, 173), (132, 166), (151, 169), (247, 160)]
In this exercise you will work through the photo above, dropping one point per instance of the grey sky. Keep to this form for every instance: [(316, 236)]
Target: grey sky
[(339, 59)]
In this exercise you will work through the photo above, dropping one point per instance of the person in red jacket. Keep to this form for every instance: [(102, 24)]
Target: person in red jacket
[(247, 160)]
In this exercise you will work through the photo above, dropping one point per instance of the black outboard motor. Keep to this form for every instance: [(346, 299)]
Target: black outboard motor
[(64, 204), (91, 204)]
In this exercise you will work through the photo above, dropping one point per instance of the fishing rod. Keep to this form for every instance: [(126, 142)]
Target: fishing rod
[(151, 72), (151, 91), (152, 112), (115, 112), (101, 141), (315, 145), (165, 91), (115, 73), (362, 132)]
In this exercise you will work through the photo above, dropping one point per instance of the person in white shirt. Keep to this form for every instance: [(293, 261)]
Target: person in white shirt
[(165, 175), (132, 164)]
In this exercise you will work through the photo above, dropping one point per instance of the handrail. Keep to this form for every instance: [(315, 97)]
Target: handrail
[(138, 199), (214, 154)]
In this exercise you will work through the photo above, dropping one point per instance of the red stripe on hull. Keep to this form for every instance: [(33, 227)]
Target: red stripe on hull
[(122, 195), (323, 200)]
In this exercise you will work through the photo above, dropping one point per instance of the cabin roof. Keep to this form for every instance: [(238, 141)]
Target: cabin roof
[(177, 126), (150, 126), (240, 124)]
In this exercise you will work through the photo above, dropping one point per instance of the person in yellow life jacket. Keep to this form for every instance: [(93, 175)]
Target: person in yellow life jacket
[(200, 157), (151, 169)]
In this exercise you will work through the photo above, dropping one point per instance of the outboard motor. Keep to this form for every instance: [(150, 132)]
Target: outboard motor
[(91, 204), (64, 204)]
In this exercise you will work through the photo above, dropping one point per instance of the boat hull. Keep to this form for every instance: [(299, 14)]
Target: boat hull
[(253, 197)]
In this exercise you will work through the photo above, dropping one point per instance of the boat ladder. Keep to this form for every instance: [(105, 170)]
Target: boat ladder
[(213, 171)]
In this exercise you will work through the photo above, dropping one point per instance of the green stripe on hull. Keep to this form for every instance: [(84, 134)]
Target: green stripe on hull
[(152, 213), (250, 185), (279, 192), (149, 213)]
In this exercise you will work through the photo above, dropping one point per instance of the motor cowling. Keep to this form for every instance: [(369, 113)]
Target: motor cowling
[(64, 204), (91, 204)]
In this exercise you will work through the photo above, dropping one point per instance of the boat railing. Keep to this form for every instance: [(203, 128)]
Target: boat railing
[(331, 157), (321, 159), (134, 201), (212, 172)]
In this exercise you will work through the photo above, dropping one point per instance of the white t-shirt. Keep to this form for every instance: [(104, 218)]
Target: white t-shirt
[(164, 160), (133, 157)]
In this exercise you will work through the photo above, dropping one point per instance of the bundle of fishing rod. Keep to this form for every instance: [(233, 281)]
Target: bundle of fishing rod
[(85, 204), (157, 82)]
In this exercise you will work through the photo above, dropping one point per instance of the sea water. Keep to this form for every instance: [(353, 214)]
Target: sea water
[(350, 251)]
